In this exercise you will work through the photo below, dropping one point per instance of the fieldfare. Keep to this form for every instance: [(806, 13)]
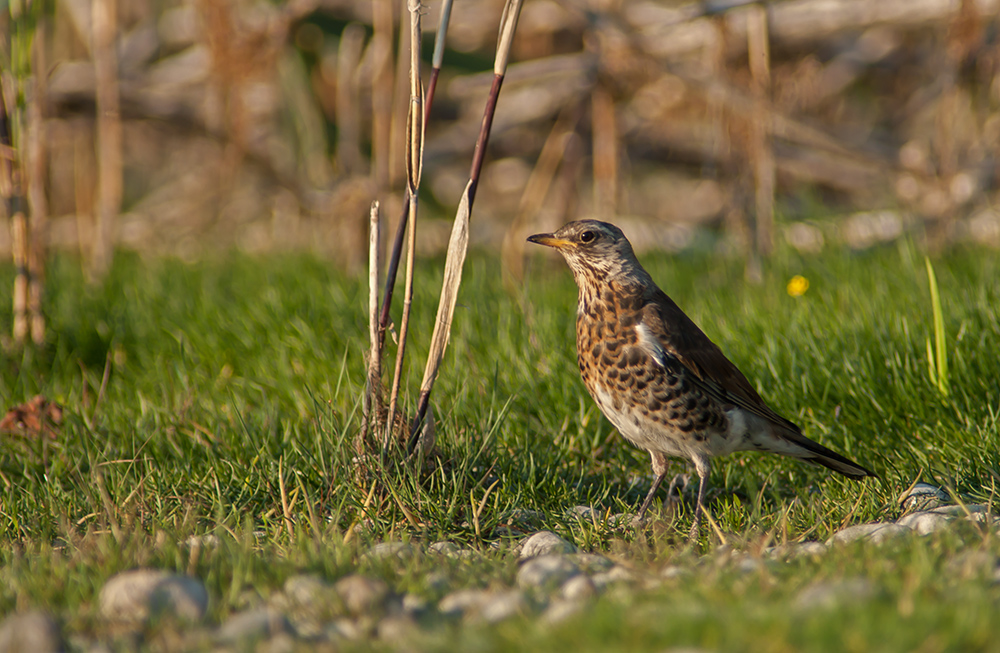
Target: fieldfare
[(657, 377)]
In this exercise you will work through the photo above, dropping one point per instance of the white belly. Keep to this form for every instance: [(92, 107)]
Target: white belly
[(650, 435)]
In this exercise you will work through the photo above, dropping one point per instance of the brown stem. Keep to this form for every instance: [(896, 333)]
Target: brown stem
[(484, 135)]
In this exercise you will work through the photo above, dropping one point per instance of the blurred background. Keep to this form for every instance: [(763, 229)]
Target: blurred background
[(264, 125)]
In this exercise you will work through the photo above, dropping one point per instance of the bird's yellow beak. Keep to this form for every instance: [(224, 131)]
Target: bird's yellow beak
[(549, 240)]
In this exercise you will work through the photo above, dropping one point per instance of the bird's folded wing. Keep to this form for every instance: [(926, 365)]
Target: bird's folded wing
[(665, 331)]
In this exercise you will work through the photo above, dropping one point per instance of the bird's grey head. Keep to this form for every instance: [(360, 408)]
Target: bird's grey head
[(595, 251)]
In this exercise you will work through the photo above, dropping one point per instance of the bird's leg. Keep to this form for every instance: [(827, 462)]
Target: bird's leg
[(702, 466), (660, 469), (638, 519), (678, 480)]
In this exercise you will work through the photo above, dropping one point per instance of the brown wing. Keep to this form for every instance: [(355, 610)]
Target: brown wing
[(681, 342), (715, 374)]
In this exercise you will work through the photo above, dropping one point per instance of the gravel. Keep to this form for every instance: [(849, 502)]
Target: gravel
[(554, 581)]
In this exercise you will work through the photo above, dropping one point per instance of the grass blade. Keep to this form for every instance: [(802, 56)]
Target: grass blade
[(938, 364)]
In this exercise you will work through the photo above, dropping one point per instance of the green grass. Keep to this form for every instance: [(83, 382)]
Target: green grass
[(222, 373)]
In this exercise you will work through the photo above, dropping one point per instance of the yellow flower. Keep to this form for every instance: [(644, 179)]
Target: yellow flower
[(797, 286)]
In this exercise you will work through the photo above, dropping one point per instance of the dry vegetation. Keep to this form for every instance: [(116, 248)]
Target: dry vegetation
[(262, 126)]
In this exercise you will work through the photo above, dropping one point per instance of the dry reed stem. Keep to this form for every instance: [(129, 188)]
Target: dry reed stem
[(400, 99), (348, 108), (19, 235), (761, 151), (414, 165), (36, 166), (83, 187), (605, 151), (381, 44), (104, 25), (286, 510), (373, 392), (397, 244), (458, 244), (438, 58), (10, 189)]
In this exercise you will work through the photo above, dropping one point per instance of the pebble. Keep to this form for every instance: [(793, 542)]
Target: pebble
[(875, 532), (389, 550), (675, 572), (308, 590), (463, 602), (444, 548), (545, 543), (578, 588), (30, 632), (503, 606), (978, 512), (748, 564), (524, 517), (828, 595), (415, 606), (617, 575), (362, 595), (924, 523), (135, 596), (973, 564), (546, 572), (397, 628), (560, 611), (591, 563), (585, 513), (922, 497), (261, 623), (345, 629), (796, 550)]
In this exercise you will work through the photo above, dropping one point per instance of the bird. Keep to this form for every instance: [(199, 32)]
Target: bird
[(657, 377)]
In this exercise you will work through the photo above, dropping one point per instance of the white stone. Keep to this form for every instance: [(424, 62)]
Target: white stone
[(444, 548), (362, 595), (578, 588), (135, 596), (828, 595), (308, 590), (462, 602), (261, 623), (591, 563), (386, 550), (675, 572), (876, 532), (617, 575), (503, 606), (560, 611), (546, 572), (545, 543), (396, 628), (30, 632), (586, 513), (924, 523)]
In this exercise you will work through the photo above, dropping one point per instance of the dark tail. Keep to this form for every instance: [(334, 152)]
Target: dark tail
[(817, 454)]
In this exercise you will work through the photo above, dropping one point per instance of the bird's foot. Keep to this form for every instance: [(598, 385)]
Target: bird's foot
[(695, 528)]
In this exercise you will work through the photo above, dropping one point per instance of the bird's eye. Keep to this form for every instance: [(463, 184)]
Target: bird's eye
[(587, 236)]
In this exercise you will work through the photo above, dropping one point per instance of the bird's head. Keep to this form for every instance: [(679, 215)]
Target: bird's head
[(595, 251)]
